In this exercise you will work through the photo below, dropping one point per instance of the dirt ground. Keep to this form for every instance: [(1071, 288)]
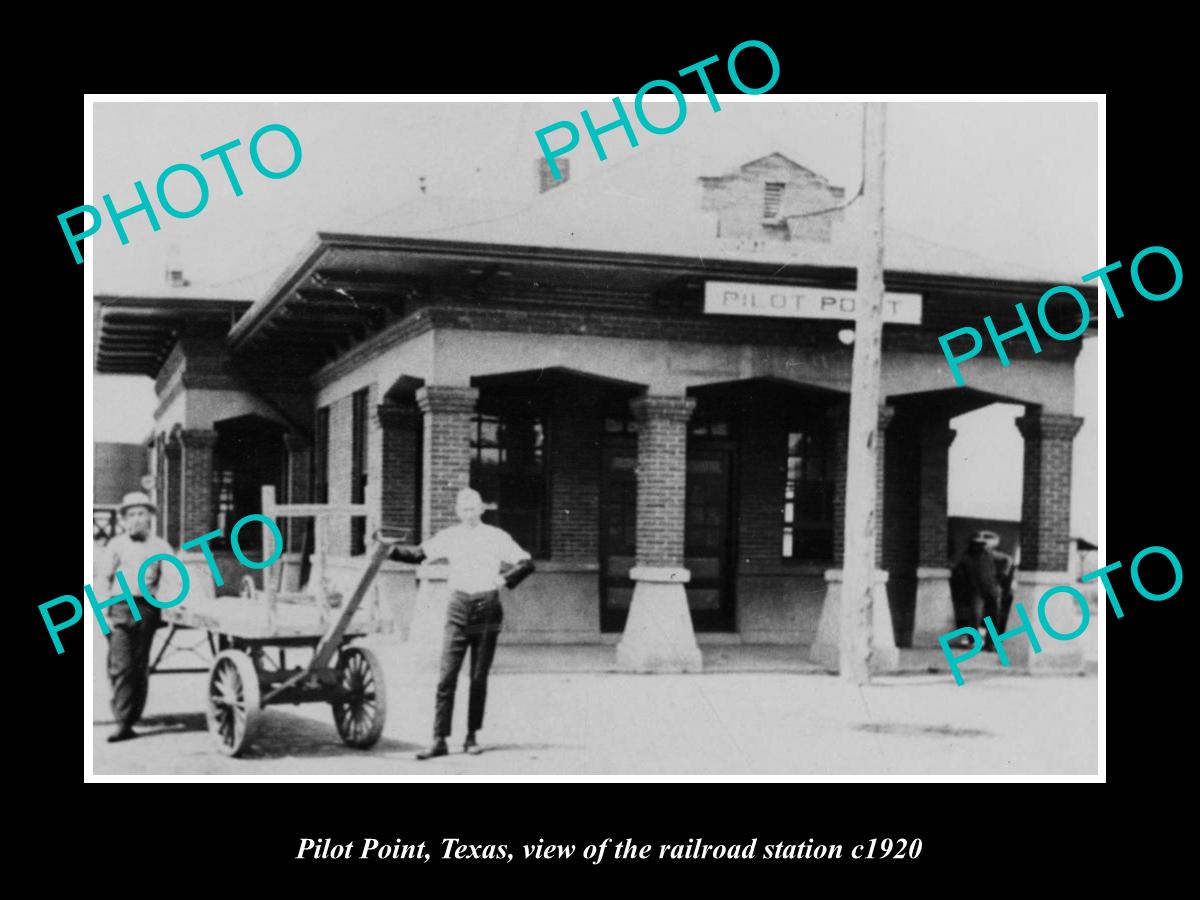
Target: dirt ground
[(558, 712)]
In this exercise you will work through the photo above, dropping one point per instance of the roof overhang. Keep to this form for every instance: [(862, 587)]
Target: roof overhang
[(134, 335), (345, 286)]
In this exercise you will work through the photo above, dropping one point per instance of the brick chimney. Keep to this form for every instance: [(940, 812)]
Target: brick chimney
[(174, 268), (546, 179), (765, 201)]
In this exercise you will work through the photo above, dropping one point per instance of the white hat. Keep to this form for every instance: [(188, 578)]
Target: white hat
[(469, 495), (137, 498)]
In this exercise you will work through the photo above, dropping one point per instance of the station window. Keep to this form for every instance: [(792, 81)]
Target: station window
[(808, 498), (226, 506), (708, 427), (358, 469), (321, 457), (508, 468)]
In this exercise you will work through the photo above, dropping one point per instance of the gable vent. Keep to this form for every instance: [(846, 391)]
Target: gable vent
[(772, 195)]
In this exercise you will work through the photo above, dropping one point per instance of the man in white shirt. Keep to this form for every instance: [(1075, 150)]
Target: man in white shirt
[(476, 553), (129, 640)]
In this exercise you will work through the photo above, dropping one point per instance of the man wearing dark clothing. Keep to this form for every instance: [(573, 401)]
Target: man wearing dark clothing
[(1005, 572), (975, 588)]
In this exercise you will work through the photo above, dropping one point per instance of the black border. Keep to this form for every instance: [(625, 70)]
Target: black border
[(970, 830)]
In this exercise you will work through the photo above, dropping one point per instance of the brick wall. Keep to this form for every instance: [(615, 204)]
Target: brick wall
[(839, 424), (173, 490), (399, 432), (881, 443), (1046, 493), (341, 415), (575, 424), (680, 317), (341, 469), (662, 474), (934, 547), (902, 495), (738, 199), (197, 482), (446, 453)]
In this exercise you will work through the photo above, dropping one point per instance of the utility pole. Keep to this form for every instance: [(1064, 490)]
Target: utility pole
[(862, 512)]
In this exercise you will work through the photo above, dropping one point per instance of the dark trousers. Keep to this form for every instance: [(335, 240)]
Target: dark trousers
[(1006, 602), (991, 609), (472, 620), (129, 645)]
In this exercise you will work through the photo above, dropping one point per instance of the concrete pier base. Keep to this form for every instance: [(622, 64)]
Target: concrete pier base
[(885, 656), (934, 614), (1064, 614), (658, 634)]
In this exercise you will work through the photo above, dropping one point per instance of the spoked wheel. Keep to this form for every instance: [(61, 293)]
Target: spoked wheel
[(234, 710), (360, 716)]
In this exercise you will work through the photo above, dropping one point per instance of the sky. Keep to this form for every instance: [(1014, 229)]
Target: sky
[(1014, 182)]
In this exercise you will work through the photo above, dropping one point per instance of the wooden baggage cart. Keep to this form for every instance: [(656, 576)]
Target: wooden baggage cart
[(245, 677)]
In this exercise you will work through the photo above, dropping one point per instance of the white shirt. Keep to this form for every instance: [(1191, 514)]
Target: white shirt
[(475, 554), (128, 555)]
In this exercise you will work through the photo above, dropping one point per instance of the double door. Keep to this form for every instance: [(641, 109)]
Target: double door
[(708, 533)]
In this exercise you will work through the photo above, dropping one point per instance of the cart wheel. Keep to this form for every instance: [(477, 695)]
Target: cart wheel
[(234, 710), (360, 717)]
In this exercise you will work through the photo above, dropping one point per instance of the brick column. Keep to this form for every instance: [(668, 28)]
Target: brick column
[(839, 446), (159, 492), (446, 455), (934, 614), (574, 472), (662, 477), (936, 438), (196, 501), (172, 491), (658, 634), (1045, 533), (886, 414), (398, 430), (884, 655), (341, 441), (1046, 498), (839, 422)]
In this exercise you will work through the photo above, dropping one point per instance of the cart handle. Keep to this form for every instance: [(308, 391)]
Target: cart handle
[(332, 638), (391, 538)]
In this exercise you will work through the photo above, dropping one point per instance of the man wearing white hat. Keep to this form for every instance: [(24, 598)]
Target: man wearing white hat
[(476, 553), (129, 640)]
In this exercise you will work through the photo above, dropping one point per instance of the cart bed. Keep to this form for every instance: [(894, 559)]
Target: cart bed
[(246, 617)]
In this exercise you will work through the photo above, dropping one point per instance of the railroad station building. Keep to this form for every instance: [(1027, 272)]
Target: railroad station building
[(656, 402)]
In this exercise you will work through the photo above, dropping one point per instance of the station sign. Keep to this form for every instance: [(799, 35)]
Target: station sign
[(733, 298)]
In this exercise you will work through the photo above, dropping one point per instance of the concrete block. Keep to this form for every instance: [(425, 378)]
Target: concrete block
[(1064, 615), (934, 615), (885, 656), (658, 633)]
